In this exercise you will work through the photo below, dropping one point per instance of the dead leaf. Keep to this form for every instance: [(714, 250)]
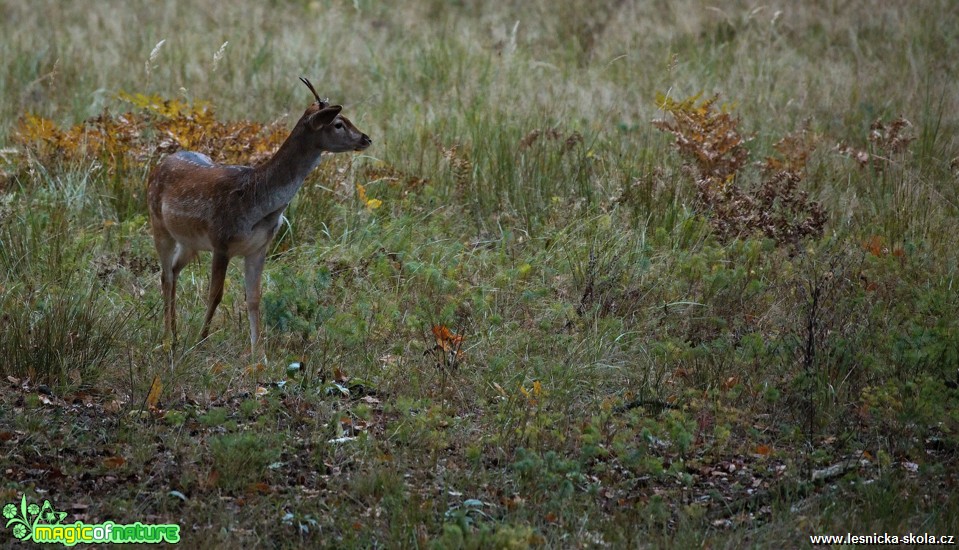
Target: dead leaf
[(259, 487), (213, 478), (154, 396), (874, 246), (445, 339), (513, 502), (114, 462), (254, 370)]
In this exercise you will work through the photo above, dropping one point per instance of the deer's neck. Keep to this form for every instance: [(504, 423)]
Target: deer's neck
[(276, 181)]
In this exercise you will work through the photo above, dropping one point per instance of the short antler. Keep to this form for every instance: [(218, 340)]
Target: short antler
[(322, 102)]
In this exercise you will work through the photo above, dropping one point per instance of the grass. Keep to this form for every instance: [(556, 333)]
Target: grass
[(630, 373)]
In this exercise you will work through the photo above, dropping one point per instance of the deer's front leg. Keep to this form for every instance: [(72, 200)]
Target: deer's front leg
[(253, 271), (220, 263)]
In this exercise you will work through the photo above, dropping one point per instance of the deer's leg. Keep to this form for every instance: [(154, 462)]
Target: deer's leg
[(220, 262), (171, 262), (253, 271), (168, 288), (181, 257)]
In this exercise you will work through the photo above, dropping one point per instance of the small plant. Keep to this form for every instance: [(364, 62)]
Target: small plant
[(886, 143), (295, 306), (710, 138), (825, 335), (57, 335), (241, 459), (716, 151)]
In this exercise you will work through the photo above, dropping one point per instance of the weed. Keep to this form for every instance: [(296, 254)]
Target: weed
[(240, 460), (711, 139)]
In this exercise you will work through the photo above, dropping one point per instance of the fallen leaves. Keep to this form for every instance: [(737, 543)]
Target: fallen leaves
[(156, 126)]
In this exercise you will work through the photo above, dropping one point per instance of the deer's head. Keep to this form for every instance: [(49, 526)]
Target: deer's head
[(329, 131)]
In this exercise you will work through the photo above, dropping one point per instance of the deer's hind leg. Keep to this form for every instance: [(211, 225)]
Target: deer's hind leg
[(173, 258), (217, 277)]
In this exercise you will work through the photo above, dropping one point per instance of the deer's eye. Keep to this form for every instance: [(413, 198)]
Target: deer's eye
[(338, 125)]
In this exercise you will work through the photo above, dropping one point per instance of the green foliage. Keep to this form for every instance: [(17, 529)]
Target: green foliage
[(458, 535), (552, 477), (214, 417), (59, 335), (295, 303), (241, 459)]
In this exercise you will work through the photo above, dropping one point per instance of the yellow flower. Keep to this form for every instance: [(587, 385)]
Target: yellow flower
[(372, 204)]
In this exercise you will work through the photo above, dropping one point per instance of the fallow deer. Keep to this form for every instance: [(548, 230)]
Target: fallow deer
[(196, 204)]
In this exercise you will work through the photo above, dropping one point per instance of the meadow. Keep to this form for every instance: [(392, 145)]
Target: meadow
[(613, 274)]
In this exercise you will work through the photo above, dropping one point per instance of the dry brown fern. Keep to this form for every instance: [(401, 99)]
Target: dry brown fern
[(715, 152)]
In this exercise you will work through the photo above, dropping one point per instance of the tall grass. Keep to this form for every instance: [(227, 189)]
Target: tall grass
[(621, 360)]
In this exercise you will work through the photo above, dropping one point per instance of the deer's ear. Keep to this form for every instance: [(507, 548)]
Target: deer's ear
[(324, 116)]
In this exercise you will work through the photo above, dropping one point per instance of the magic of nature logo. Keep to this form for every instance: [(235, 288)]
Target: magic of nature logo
[(44, 524)]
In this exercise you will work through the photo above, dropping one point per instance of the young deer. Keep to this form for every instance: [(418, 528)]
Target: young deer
[(230, 210)]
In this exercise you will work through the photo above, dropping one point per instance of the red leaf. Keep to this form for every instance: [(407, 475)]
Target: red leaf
[(874, 246), (445, 338)]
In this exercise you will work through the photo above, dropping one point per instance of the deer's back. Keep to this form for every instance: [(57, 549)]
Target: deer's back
[(189, 194)]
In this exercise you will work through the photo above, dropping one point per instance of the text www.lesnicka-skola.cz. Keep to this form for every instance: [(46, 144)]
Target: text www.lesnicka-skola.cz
[(883, 538)]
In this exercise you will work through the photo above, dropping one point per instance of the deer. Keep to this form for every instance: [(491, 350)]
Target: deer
[(198, 205)]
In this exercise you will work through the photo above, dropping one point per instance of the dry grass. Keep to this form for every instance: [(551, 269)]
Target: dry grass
[(627, 369)]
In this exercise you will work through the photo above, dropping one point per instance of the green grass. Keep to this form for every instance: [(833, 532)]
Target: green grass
[(626, 378)]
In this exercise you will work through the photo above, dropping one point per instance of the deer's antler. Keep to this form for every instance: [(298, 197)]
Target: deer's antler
[(322, 102)]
